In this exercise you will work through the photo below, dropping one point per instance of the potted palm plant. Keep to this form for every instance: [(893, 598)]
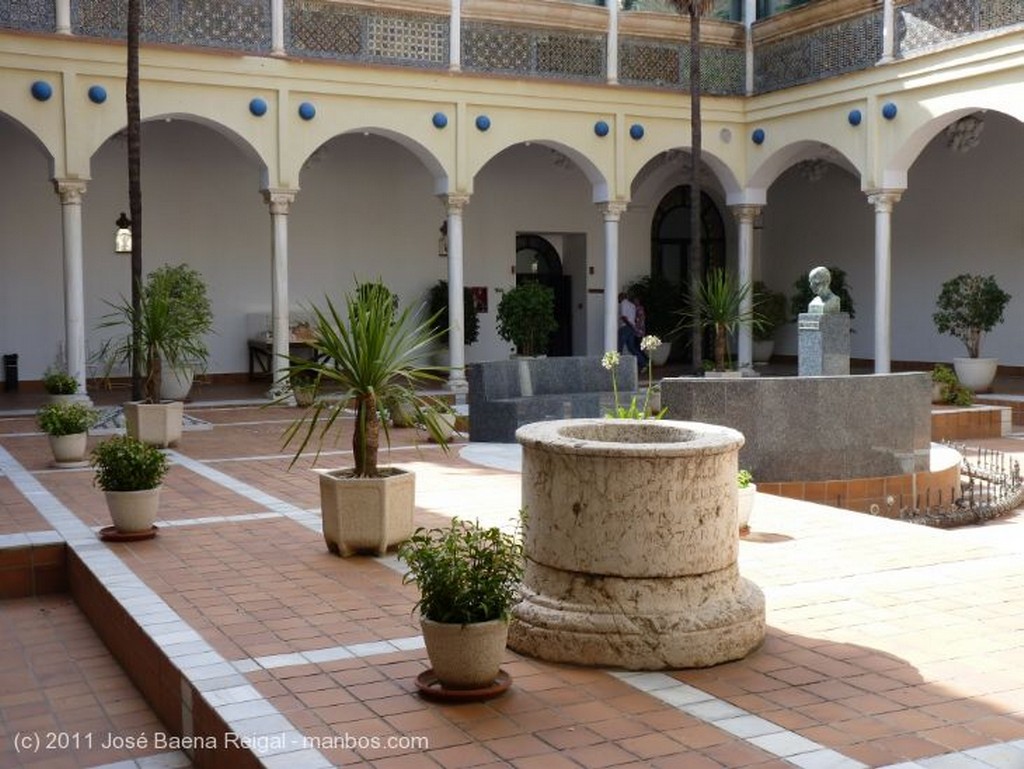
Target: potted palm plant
[(130, 474), (526, 318), (969, 306), (67, 426), (468, 579), (373, 356), (173, 318), (718, 306)]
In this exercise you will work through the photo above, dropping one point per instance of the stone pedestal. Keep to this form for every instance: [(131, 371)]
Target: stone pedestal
[(824, 344), (631, 543)]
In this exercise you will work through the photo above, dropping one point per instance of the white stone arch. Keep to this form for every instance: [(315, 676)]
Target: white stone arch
[(598, 179), (31, 136), (434, 147), (788, 156)]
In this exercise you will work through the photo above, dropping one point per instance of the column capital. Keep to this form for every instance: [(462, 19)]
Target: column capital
[(70, 191), (612, 210), (884, 200), (746, 212), (279, 200), (454, 202)]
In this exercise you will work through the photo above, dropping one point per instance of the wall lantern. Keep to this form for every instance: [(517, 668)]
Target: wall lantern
[(442, 242), (123, 236)]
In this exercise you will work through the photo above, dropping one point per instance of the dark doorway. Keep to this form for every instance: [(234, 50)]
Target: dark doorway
[(537, 260), (670, 246)]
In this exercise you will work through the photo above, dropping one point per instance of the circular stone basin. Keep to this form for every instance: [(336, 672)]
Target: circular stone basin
[(629, 437)]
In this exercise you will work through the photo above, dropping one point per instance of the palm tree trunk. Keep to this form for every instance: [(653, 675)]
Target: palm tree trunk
[(695, 192), (135, 189), (366, 438)]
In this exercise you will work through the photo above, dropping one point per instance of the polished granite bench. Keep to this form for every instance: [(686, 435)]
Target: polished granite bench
[(506, 394)]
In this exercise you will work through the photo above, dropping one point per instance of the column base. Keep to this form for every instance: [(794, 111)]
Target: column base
[(638, 624)]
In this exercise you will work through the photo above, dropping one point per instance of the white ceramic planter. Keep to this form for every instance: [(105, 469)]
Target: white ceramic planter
[(465, 656), (745, 505), (175, 383), (366, 513), (69, 450), (762, 350), (133, 512), (659, 355), (976, 374)]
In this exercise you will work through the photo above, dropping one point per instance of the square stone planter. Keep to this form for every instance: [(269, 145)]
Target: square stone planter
[(158, 424), (366, 514)]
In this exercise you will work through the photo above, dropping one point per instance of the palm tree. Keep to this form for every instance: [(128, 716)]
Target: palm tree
[(695, 9), (135, 188)]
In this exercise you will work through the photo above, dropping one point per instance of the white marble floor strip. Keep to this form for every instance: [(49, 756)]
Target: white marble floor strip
[(243, 489), (790, 746), (276, 739)]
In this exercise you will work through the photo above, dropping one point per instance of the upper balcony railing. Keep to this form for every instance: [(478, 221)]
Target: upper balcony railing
[(642, 43)]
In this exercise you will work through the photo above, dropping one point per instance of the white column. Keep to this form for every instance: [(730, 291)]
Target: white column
[(611, 211), (62, 13), (277, 27), (745, 215), (279, 202), (71, 192), (888, 31), (456, 317), (455, 37), (613, 41), (883, 201)]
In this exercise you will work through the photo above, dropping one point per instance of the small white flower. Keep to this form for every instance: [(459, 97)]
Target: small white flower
[(650, 342), (610, 360)]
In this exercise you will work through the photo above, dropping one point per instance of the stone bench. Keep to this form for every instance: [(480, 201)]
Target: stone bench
[(506, 394)]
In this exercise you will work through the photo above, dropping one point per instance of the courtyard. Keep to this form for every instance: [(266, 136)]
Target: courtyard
[(889, 644)]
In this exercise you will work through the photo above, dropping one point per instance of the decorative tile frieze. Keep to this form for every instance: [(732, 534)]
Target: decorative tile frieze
[(923, 24), (528, 51), (235, 24), (663, 64), (847, 46), (333, 30), (33, 15)]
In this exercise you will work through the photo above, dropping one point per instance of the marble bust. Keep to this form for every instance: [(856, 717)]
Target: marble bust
[(824, 302)]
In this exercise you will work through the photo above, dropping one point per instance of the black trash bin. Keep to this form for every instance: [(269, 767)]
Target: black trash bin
[(11, 373)]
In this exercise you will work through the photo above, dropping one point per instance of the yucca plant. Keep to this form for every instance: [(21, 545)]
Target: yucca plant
[(372, 354), (718, 305)]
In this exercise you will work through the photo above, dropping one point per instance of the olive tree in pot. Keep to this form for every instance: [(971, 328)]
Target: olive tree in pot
[(130, 473), (173, 319), (468, 579), (67, 424), (969, 306), (526, 318), (373, 356), (437, 306)]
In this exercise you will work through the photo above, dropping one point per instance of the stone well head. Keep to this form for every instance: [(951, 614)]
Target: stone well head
[(641, 498)]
